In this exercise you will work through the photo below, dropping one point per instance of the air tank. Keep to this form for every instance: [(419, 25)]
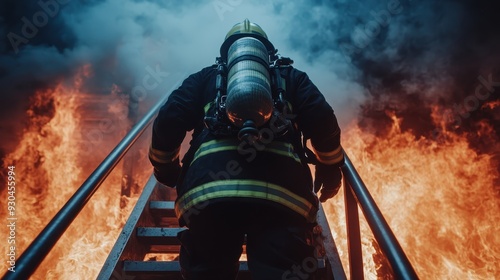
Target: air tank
[(249, 99)]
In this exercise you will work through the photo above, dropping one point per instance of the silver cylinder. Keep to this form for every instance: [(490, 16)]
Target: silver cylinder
[(248, 83)]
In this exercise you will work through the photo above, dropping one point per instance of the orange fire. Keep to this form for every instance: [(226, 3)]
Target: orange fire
[(438, 196), (492, 104), (51, 161)]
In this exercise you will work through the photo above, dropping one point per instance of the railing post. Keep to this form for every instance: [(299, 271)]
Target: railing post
[(353, 234), (388, 243)]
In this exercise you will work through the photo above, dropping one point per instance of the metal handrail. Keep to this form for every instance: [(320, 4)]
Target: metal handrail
[(384, 236), (31, 258)]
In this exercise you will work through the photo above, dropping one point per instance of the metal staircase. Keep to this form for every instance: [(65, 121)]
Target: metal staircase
[(152, 229)]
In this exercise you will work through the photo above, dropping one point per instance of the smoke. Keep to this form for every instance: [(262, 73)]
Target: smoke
[(410, 55), (367, 57), (130, 44), (127, 43), (436, 54)]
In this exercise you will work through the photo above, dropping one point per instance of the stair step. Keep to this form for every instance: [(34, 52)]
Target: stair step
[(162, 208), (165, 270), (158, 235), (161, 266), (163, 213), (142, 257), (164, 249)]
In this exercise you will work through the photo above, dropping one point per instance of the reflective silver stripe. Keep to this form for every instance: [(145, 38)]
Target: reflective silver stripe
[(331, 157), (163, 156)]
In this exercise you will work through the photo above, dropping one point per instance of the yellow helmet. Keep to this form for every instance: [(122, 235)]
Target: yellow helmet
[(244, 29)]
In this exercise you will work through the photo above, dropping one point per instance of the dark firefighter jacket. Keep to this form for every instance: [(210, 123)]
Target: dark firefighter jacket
[(273, 171)]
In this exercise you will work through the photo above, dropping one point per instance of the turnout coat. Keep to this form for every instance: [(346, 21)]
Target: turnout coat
[(273, 171)]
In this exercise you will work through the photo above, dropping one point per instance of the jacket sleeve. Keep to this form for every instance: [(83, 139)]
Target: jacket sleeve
[(181, 113), (316, 119)]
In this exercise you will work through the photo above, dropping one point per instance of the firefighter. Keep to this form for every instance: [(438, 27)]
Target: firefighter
[(246, 176)]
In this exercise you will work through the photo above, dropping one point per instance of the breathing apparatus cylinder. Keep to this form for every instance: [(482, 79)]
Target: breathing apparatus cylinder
[(249, 102)]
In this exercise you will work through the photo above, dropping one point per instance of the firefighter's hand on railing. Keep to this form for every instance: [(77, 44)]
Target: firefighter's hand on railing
[(328, 179), (168, 173)]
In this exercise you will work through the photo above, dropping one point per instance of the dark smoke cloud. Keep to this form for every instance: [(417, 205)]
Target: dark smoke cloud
[(411, 55), (416, 59), (439, 50), (366, 56), (37, 69), (122, 40), (44, 43)]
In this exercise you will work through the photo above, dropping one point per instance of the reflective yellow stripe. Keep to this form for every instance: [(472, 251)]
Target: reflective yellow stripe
[(245, 194), (214, 146), (245, 189), (207, 106), (332, 157), (163, 156)]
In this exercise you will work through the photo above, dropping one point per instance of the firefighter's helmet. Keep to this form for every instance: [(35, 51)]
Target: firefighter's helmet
[(244, 29)]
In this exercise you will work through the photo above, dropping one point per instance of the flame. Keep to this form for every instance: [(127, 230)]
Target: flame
[(51, 161), (492, 104), (438, 196)]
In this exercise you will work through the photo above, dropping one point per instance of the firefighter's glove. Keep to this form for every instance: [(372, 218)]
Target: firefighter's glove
[(329, 179), (168, 173)]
